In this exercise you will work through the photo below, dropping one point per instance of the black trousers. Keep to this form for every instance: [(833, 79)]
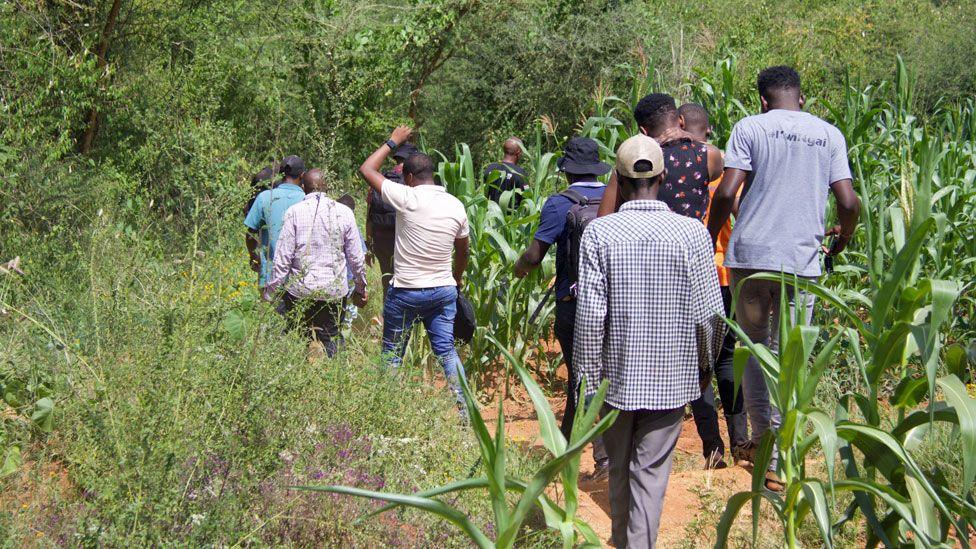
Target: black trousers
[(703, 409), (564, 329), (321, 318), (383, 245)]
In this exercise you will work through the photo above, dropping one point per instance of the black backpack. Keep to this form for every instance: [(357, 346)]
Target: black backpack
[(579, 216), (379, 212), (464, 320)]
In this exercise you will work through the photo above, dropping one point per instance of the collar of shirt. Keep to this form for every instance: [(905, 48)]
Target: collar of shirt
[(645, 206), (289, 186), (591, 184), (316, 195)]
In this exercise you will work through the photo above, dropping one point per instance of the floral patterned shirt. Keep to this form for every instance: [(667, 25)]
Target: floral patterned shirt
[(685, 189)]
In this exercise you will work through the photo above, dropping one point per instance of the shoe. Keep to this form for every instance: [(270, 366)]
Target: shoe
[(745, 452), (774, 483), (601, 470)]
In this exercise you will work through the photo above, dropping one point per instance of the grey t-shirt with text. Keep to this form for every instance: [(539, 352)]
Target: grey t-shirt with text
[(794, 157)]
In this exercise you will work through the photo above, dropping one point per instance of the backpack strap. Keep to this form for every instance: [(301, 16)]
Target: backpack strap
[(575, 196)]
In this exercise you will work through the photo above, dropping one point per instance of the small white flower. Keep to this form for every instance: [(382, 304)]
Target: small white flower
[(196, 519)]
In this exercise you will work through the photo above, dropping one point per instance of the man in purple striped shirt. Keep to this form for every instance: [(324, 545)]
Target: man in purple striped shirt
[(318, 239)]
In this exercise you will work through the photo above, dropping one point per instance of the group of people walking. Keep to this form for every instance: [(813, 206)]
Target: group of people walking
[(644, 266)]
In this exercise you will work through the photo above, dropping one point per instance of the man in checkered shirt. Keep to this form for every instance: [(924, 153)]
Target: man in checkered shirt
[(650, 322)]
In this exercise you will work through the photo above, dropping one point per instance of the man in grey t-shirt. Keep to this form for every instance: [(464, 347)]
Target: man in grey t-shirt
[(788, 160)]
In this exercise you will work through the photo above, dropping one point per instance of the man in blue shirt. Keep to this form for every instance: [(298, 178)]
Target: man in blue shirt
[(582, 166), (264, 219)]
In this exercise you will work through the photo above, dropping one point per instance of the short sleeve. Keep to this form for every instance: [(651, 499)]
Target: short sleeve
[(463, 228), (397, 196), (840, 168), (738, 150), (254, 219), (552, 221)]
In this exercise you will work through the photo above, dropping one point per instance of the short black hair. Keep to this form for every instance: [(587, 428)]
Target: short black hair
[(347, 201), (778, 78), (694, 114), (419, 165), (640, 182), (264, 175), (654, 109)]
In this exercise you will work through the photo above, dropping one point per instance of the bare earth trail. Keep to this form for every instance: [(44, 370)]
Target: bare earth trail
[(695, 497)]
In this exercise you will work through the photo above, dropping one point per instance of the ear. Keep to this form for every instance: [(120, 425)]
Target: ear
[(803, 100), (763, 103), (643, 130), (681, 121)]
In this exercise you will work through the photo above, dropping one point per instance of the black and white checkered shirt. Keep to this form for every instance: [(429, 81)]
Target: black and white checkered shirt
[(649, 310)]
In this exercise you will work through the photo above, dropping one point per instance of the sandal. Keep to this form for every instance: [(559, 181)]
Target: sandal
[(774, 483)]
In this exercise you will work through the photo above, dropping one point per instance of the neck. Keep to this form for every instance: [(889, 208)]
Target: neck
[(784, 104), (510, 159), (648, 193), (656, 132), (416, 183)]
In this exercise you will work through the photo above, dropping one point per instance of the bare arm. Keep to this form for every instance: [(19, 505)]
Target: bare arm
[(715, 162), (461, 255), (848, 211), (531, 258), (251, 241), (370, 169), (610, 201), (724, 200)]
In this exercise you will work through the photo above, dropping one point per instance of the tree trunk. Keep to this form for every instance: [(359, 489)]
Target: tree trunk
[(101, 53)]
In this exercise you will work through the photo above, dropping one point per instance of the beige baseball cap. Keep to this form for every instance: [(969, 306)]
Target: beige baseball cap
[(640, 157)]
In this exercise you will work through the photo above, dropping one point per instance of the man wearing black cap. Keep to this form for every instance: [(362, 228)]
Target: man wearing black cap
[(381, 218), (562, 220), (266, 216)]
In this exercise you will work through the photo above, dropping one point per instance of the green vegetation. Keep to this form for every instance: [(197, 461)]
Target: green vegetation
[(148, 397)]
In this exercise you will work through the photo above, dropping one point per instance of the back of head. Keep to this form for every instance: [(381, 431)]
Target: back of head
[(694, 120), (420, 166), (347, 201), (639, 163), (778, 82), (292, 166), (655, 113), (314, 181), (512, 147)]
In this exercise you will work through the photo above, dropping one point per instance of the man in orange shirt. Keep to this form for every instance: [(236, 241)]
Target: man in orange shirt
[(694, 120)]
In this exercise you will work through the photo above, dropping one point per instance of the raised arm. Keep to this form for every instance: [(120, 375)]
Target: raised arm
[(370, 169)]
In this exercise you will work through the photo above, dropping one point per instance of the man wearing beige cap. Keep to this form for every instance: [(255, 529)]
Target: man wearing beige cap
[(649, 320)]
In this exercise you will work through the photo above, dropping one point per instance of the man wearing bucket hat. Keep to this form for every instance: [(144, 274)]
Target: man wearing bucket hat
[(562, 220), (649, 321)]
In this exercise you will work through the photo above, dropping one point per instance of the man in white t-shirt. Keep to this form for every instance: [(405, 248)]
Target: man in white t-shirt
[(429, 258)]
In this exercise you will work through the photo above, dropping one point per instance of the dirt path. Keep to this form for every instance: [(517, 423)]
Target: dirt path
[(695, 497)]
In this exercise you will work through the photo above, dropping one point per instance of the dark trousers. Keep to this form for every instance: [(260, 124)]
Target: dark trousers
[(706, 416), (383, 245), (565, 327), (322, 318)]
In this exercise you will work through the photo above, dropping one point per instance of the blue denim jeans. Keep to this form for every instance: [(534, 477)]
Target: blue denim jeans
[(435, 307)]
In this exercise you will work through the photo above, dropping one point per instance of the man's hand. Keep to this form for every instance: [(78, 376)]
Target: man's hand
[(840, 240), (671, 135), (360, 299), (255, 266), (401, 134)]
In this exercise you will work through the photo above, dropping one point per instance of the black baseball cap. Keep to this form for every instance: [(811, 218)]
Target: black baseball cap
[(292, 166), (581, 156), (405, 151)]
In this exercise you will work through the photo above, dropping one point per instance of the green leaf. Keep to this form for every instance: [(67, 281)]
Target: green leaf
[(43, 416), (965, 408), (552, 437), (816, 497), (824, 427), (434, 506), (11, 461)]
